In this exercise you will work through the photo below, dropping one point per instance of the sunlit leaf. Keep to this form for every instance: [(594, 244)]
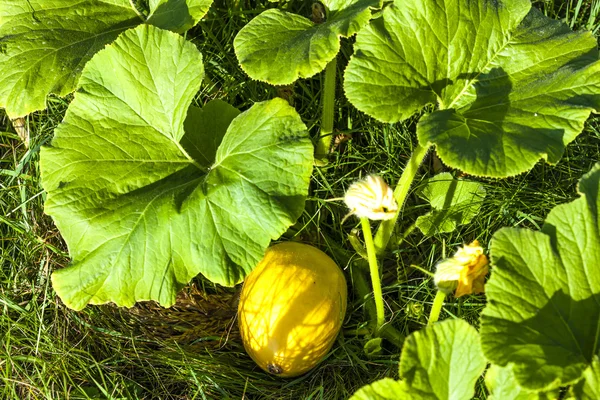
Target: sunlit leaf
[(383, 389), (502, 385), (143, 205), (44, 45), (511, 86), (438, 362), (279, 47), (543, 312)]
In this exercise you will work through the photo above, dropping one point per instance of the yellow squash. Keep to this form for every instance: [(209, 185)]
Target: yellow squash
[(291, 308)]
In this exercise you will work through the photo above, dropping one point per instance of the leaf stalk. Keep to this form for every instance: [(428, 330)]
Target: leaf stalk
[(327, 107), (384, 233), (374, 270), (438, 302)]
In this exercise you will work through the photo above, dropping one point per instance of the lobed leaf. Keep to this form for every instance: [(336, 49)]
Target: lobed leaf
[(279, 47), (511, 85), (143, 205), (543, 312), (442, 362), (454, 202), (44, 44)]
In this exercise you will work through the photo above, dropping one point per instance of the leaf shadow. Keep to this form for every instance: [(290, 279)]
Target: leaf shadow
[(557, 342)]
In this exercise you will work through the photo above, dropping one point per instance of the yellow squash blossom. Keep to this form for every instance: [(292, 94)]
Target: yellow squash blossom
[(464, 272)]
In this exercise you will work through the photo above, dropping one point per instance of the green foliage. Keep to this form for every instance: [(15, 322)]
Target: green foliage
[(543, 312), (511, 85), (502, 385), (589, 387), (455, 202), (383, 389), (131, 202), (44, 44), (279, 47), (50, 351), (442, 361), (177, 15)]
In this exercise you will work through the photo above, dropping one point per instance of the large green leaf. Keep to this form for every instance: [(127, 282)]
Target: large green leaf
[(511, 85), (502, 385), (455, 202), (141, 215), (439, 362), (44, 45), (442, 361), (543, 312), (177, 15), (279, 47)]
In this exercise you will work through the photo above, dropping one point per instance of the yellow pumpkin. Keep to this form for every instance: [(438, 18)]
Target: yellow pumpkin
[(291, 308)]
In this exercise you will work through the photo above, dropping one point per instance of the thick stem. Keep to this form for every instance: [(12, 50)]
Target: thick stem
[(364, 292), (384, 233), (328, 102), (377, 293), (392, 335), (438, 302)]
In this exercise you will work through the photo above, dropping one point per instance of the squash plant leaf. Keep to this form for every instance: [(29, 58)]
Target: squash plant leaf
[(44, 45), (141, 215), (177, 15), (511, 86), (589, 387), (279, 47), (442, 361), (383, 389), (543, 312), (455, 202), (502, 385)]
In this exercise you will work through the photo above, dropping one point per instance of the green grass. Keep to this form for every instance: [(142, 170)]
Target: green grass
[(192, 350)]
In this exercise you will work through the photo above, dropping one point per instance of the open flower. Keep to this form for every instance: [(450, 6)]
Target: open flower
[(464, 272), (371, 198)]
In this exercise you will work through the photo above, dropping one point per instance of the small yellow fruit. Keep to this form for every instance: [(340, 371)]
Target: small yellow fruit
[(291, 309)]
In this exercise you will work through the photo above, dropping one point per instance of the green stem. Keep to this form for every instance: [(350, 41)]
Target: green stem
[(378, 295), (328, 102), (364, 292), (384, 233), (438, 302), (407, 232), (392, 335)]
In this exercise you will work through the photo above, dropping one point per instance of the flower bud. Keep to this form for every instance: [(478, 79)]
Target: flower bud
[(371, 198), (464, 272)]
